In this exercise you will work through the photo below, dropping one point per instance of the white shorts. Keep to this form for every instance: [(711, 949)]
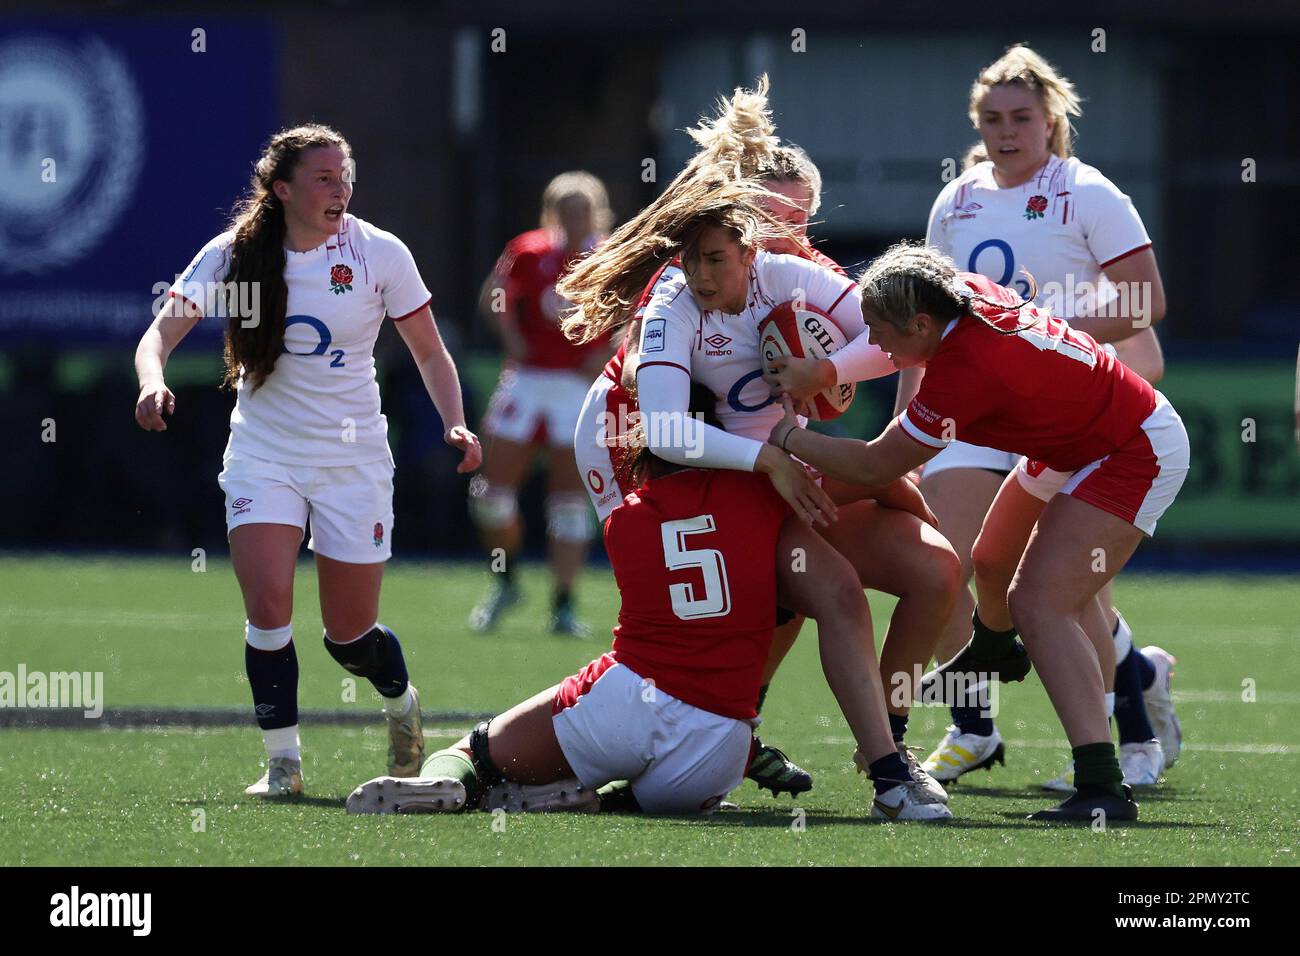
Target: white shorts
[(350, 506), (595, 463), (958, 454), (1137, 482), (612, 725), (533, 406)]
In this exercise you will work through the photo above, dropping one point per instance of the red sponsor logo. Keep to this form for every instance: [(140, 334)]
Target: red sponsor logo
[(595, 481), (379, 534)]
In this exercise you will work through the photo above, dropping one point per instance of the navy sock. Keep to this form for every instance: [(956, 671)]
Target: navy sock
[(969, 720), (391, 678), (1130, 710), (1146, 671), (898, 727), (888, 772), (273, 677)]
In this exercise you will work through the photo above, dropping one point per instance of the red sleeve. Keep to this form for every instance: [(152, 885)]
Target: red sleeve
[(952, 396)]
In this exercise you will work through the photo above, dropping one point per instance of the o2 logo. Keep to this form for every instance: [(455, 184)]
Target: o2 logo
[(1021, 284), (322, 346), (733, 396)]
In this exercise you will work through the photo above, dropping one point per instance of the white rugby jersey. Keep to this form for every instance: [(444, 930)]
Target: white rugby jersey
[(1066, 225), (721, 351), (320, 404)]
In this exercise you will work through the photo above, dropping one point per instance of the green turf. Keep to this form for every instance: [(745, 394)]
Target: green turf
[(166, 635)]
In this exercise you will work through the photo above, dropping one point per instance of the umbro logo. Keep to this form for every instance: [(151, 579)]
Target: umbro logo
[(240, 505), (265, 710), (718, 341)]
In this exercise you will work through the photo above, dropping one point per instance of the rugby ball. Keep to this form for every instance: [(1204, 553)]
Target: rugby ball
[(805, 331)]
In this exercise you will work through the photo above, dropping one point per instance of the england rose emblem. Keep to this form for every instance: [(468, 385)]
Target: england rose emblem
[(1035, 208), (340, 279)]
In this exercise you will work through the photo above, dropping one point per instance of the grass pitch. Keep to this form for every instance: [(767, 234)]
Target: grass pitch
[(166, 636)]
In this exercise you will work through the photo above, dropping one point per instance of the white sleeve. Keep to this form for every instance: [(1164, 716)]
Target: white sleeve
[(663, 382), (664, 394), (1112, 228), (199, 282), (936, 231), (836, 295), (400, 285), (860, 360)]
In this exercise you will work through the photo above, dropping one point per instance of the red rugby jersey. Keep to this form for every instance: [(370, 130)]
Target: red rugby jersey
[(1046, 390), (694, 555), (531, 265)]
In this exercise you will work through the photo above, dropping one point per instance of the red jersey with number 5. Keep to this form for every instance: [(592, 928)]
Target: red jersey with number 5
[(1043, 389), (694, 555)]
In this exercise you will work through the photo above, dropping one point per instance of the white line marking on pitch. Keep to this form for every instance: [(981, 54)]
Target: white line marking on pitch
[(1284, 749)]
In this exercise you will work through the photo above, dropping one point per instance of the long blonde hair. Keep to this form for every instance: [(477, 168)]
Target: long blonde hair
[(1021, 66), (603, 286), (720, 186)]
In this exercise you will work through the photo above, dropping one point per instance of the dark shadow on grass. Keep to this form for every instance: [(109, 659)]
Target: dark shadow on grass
[(1121, 825), (1009, 793)]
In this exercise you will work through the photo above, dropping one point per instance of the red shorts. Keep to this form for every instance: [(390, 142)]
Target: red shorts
[(1137, 482)]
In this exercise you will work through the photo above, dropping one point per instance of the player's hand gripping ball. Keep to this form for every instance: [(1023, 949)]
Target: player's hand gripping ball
[(801, 331)]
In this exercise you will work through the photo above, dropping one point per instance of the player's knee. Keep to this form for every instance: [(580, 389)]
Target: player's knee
[(568, 516), (943, 572), (989, 563), (268, 609), (364, 656), (844, 599), (1031, 607), (492, 506)]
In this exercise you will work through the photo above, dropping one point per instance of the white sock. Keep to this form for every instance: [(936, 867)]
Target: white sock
[(268, 640), (282, 742), (1110, 704), (400, 706), (1123, 639)]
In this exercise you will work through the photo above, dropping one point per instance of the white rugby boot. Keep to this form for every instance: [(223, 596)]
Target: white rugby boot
[(282, 780), (908, 801), (406, 740), (1160, 704), (1064, 782), (960, 753), (927, 782), (1142, 763), (408, 795)]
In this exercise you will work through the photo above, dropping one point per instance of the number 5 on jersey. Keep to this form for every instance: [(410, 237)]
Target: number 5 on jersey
[(714, 599)]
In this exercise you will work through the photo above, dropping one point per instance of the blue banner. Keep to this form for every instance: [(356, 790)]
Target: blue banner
[(123, 144)]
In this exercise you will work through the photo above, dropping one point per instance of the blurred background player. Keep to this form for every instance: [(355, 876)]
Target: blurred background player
[(324, 281), (1024, 202), (535, 406)]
